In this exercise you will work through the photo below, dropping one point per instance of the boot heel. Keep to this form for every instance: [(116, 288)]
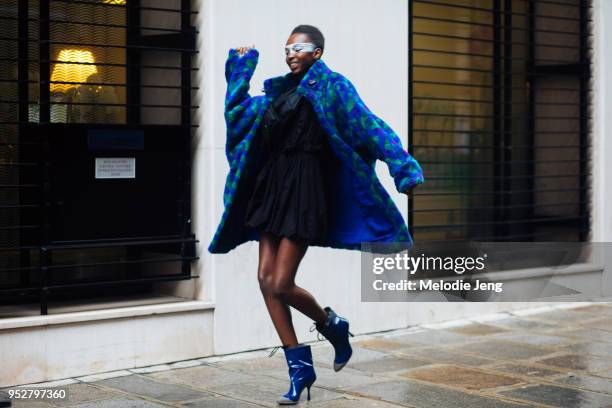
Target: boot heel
[(308, 396)]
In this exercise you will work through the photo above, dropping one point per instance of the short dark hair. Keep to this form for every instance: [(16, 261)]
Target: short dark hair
[(313, 33)]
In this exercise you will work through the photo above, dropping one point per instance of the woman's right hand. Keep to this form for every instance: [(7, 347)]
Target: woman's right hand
[(243, 50)]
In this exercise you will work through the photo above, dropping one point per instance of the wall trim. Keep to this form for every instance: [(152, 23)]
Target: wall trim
[(105, 314)]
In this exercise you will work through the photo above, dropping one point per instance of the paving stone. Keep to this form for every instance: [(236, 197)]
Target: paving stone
[(526, 370), (202, 377), (23, 401), (563, 316), (185, 364), (397, 333), (119, 402), (433, 338), (461, 377), (594, 348), (324, 356), (536, 339), (577, 362), (104, 376), (30, 404), (477, 329), (55, 383), (74, 393), (389, 364), (382, 345), (328, 378), (218, 402), (354, 402), (560, 396), (533, 310), (78, 393), (412, 393), (266, 391), (520, 323), (601, 324), (587, 333), (254, 364), (597, 310), (447, 324), (150, 369), (574, 306), (503, 349), (142, 385), (490, 317), (588, 382), (444, 356)]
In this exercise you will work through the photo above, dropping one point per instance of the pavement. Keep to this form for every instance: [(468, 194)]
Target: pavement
[(557, 356)]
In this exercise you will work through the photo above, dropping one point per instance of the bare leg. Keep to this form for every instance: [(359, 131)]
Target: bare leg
[(278, 310), (279, 259), (288, 258), (290, 254)]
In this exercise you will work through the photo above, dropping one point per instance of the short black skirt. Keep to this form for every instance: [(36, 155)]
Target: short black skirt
[(290, 197)]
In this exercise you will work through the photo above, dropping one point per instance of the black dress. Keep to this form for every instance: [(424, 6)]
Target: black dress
[(291, 192)]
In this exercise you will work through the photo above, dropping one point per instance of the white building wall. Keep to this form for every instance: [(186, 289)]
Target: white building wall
[(601, 120), (601, 125)]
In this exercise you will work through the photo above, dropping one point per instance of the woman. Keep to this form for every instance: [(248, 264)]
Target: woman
[(302, 173)]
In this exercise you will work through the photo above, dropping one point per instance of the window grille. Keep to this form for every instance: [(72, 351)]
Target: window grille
[(499, 106), (82, 81)]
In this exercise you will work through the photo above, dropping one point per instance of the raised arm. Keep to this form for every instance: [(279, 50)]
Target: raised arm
[(238, 72), (377, 138), (240, 107)]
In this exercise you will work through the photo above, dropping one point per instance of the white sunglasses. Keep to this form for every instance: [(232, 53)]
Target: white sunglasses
[(300, 47)]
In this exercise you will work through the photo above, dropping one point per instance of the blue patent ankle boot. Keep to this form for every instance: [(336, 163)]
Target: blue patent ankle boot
[(301, 373), (337, 332)]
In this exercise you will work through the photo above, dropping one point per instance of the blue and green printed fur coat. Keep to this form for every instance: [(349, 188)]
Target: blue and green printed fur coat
[(360, 209)]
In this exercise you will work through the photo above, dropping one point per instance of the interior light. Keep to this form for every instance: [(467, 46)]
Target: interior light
[(73, 66)]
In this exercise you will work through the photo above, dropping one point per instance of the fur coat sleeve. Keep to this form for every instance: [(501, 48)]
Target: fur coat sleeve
[(241, 109), (372, 135)]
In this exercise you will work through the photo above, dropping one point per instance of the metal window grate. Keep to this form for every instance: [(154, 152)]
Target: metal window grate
[(79, 80), (499, 100)]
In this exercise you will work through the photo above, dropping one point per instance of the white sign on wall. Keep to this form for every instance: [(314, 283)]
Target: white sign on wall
[(115, 167)]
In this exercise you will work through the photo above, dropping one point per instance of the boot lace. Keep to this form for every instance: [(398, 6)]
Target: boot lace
[(313, 328), (274, 350)]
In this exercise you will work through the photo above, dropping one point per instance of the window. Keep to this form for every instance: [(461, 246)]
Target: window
[(499, 109), (86, 83)]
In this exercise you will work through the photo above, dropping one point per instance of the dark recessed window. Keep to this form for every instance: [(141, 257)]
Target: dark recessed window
[(499, 119), (94, 147)]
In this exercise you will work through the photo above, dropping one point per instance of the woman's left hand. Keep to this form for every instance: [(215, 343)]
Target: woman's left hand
[(244, 50)]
